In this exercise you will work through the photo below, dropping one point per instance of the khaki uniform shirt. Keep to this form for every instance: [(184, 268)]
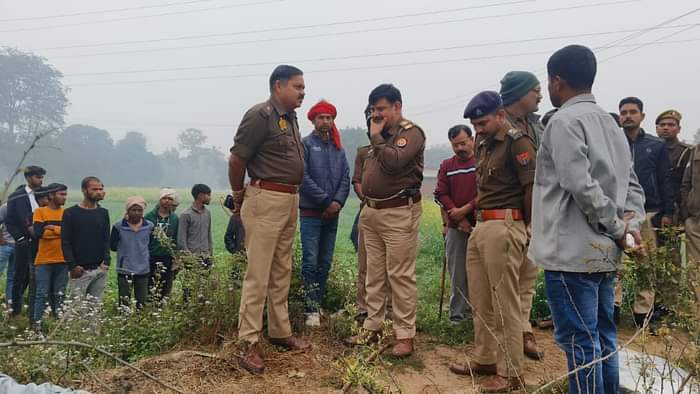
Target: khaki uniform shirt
[(394, 161), (268, 139), (680, 155), (530, 124), (500, 178), (359, 163)]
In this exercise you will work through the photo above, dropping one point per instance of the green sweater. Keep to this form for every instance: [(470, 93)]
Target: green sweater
[(168, 224)]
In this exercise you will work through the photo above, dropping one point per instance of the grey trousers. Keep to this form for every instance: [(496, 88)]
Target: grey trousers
[(456, 252)]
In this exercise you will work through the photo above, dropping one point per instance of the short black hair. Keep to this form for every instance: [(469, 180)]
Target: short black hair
[(33, 171), (576, 64), (455, 130), (42, 192), (632, 100), (200, 188), (616, 117), (368, 115), (86, 181), (386, 91), (56, 187), (545, 119), (284, 73)]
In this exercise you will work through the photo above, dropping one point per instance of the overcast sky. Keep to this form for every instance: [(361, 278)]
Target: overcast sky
[(438, 53)]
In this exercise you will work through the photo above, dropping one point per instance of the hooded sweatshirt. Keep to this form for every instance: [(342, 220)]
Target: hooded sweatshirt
[(131, 247)]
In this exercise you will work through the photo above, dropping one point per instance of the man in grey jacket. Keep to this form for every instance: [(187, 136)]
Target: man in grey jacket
[(586, 201)]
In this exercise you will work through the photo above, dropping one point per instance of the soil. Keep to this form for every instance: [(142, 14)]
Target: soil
[(214, 371)]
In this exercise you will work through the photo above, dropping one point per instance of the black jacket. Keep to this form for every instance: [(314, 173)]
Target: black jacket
[(653, 168), (19, 215)]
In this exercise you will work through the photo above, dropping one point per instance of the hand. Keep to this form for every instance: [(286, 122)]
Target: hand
[(50, 227), (464, 226), (77, 272), (104, 267), (666, 221), (334, 208), (638, 250), (237, 207), (457, 214), (376, 126)]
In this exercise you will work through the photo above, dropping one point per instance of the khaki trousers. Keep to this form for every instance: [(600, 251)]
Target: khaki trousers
[(528, 277), (692, 233), (362, 275), (270, 221), (391, 240), (495, 254)]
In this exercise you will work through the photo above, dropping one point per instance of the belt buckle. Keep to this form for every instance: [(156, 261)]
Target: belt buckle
[(371, 203)]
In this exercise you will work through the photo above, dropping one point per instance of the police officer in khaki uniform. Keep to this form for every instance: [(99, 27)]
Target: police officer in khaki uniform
[(668, 126), (521, 94), (496, 248), (268, 145), (391, 179)]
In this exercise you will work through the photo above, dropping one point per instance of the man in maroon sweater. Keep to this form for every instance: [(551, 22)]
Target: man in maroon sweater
[(455, 192)]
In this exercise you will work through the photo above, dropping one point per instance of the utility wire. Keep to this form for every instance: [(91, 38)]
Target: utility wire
[(120, 19), (108, 11), (291, 28), (335, 34), (373, 67), (368, 55)]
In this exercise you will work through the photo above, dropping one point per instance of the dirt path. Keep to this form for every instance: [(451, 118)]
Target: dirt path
[(314, 372), (425, 372)]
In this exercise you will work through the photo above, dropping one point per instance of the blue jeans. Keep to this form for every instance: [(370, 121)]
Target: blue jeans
[(7, 259), (582, 310), (51, 281), (317, 243)]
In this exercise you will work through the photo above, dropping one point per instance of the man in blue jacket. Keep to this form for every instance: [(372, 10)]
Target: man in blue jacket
[(653, 168), (323, 192)]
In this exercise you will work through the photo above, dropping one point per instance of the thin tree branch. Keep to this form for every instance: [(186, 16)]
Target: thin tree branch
[(95, 348)]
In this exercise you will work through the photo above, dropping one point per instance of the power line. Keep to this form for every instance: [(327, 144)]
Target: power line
[(603, 47), (264, 2), (289, 28), (30, 18), (367, 55), (345, 69), (313, 36)]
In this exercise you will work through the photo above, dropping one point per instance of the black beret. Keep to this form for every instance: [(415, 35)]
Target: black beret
[(484, 103)]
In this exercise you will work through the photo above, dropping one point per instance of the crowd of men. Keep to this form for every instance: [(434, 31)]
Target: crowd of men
[(568, 193), (55, 252)]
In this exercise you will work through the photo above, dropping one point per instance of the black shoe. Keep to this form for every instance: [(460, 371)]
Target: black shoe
[(616, 315)]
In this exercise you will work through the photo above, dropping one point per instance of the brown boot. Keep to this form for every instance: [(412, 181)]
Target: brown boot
[(251, 361), (499, 384), (530, 347), (471, 367), (403, 348), (364, 337), (291, 343)]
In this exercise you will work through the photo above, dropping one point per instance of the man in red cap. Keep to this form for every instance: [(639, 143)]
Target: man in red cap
[(323, 192)]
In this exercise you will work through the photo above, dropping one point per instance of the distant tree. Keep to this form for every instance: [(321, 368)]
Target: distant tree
[(32, 105), (85, 150), (134, 165), (191, 141)]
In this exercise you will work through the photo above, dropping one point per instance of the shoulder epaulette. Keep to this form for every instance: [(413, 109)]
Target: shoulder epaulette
[(515, 134), (406, 124)]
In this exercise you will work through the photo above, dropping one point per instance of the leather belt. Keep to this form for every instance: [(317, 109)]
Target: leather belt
[(275, 187), (400, 201), (484, 215)]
